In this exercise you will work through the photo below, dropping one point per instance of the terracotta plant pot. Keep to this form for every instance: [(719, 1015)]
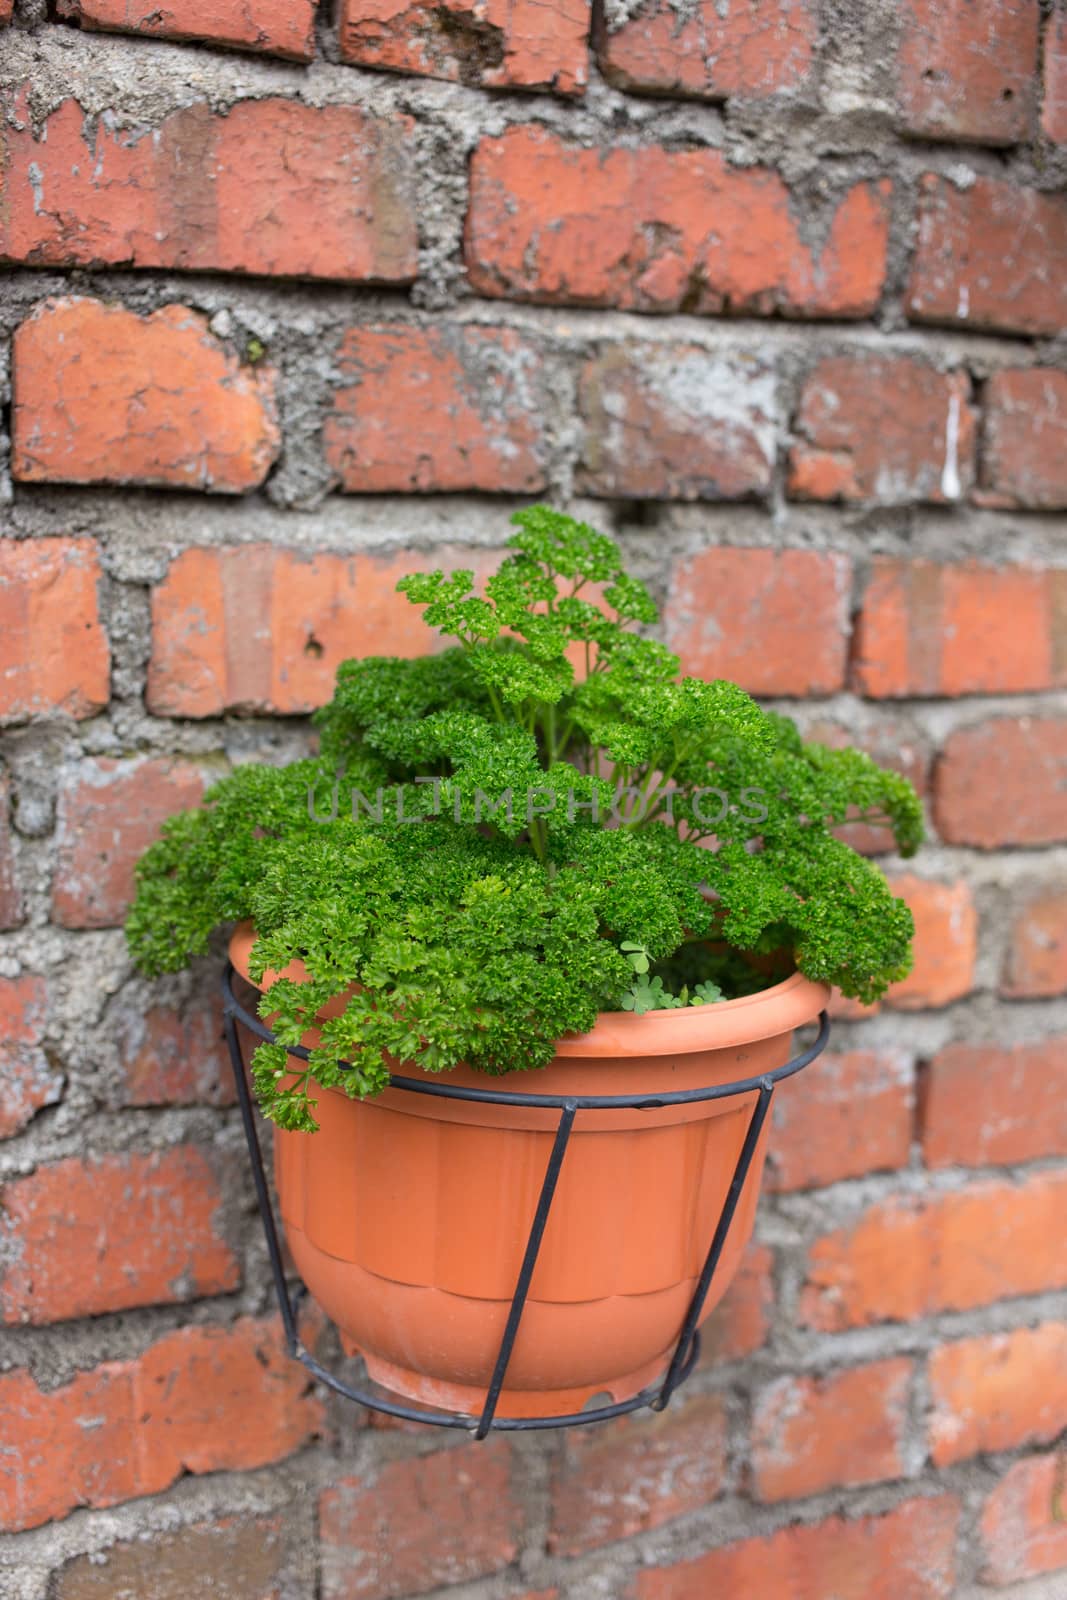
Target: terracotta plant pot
[(407, 1216)]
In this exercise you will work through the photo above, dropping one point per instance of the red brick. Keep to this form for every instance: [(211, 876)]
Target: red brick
[(624, 1477), (1024, 455), (12, 909), (926, 629), (811, 1434), (989, 1105), (1024, 1529), (252, 627), (269, 187), (998, 1391), (236, 1558), (175, 1056), (1003, 782), (109, 812), (105, 396), (890, 429), (112, 1232), (661, 230), (7, 8), (843, 1008), (467, 1524), (774, 620), (275, 27), (741, 1321), (1036, 965), (967, 69), (1054, 110), (946, 943), (980, 255), (711, 51), (27, 1081), (22, 1009), (524, 45), (438, 409), (908, 1554), (203, 1399), (847, 1115), (53, 649), (913, 1255), (676, 422)]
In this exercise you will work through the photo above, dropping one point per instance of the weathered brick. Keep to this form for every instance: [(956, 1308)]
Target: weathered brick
[(849, 1114), (811, 1434), (711, 51), (661, 230), (105, 396), (1003, 782), (889, 429), (12, 909), (109, 812), (280, 189), (908, 1554), (22, 1009), (1054, 109), (1036, 964), (916, 1254), (7, 8), (524, 45), (997, 1392), (53, 650), (987, 1105), (775, 620), (27, 1081), (624, 1477), (1024, 453), (175, 1056), (1023, 1528), (113, 1231), (252, 627), (741, 1321), (843, 1008), (676, 422), (203, 1399), (927, 629), (467, 1525), (967, 69), (981, 254), (438, 409), (946, 943), (275, 27), (236, 1558)]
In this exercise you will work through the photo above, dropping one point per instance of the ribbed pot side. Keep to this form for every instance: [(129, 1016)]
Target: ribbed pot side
[(407, 1216)]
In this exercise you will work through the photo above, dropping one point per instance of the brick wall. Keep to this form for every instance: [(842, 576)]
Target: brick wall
[(776, 293)]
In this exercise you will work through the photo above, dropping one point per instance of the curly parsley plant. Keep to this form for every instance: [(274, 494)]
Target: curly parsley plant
[(540, 823)]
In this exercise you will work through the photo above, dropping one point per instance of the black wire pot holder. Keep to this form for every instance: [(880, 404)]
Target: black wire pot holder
[(687, 1349)]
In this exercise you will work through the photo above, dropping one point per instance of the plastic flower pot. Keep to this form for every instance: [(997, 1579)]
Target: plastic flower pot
[(407, 1216)]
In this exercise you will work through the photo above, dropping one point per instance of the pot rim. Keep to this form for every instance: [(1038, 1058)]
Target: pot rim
[(728, 1023)]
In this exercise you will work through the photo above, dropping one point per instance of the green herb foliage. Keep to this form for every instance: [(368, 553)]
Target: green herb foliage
[(448, 926)]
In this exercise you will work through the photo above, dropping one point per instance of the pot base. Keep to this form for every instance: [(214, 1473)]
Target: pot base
[(469, 1399)]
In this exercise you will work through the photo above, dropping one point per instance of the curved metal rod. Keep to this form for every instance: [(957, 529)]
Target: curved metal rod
[(473, 1425), (559, 1102)]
